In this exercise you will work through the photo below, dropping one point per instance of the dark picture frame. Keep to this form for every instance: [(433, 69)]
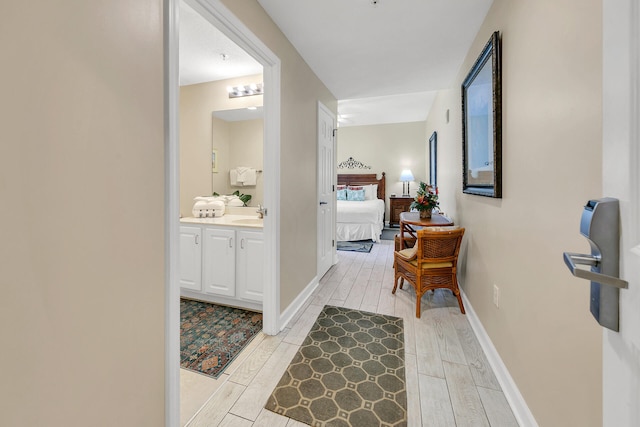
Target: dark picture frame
[(482, 123), (433, 160)]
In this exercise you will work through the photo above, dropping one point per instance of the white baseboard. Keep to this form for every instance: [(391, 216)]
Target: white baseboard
[(221, 300), (292, 309), (509, 388)]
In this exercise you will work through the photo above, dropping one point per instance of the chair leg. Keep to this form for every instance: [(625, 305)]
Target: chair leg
[(457, 294), (418, 299), (401, 282), (395, 284)]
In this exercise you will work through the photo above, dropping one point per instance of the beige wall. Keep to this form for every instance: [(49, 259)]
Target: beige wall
[(301, 90), (552, 130), (197, 130), (388, 148), (82, 264)]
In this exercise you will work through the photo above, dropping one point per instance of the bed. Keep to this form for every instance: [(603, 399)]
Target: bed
[(361, 220)]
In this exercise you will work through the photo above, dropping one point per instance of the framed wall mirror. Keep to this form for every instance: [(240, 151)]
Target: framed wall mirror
[(482, 124), (433, 160)]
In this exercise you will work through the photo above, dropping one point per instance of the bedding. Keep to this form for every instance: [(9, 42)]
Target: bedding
[(360, 207), (359, 220)]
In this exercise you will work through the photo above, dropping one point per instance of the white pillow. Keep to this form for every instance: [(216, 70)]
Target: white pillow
[(370, 191)]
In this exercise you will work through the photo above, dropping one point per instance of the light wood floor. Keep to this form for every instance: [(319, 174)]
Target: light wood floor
[(449, 381)]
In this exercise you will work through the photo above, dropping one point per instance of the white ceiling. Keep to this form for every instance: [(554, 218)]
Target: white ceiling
[(201, 47), (384, 63), (365, 53)]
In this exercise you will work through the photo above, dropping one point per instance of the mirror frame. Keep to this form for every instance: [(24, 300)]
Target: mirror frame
[(490, 56), (433, 159)]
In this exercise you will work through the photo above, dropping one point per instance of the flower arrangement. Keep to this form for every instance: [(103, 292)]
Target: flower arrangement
[(426, 199)]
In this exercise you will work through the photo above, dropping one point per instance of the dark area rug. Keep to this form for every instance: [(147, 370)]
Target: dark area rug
[(389, 233), (211, 335), (349, 372), (355, 246)]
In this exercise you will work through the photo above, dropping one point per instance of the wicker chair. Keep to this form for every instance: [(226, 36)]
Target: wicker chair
[(431, 263)]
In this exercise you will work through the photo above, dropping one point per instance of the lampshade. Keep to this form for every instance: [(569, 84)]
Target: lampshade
[(406, 175)]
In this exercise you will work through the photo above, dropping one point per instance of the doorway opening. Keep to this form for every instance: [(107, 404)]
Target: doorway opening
[(220, 18)]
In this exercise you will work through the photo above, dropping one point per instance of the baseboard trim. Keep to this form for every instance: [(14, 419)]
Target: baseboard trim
[(221, 300), (292, 309), (519, 406)]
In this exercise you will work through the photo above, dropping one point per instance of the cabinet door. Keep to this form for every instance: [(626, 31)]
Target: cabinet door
[(250, 265), (219, 260), (191, 258)]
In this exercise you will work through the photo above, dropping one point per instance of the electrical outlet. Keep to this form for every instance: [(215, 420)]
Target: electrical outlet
[(496, 295)]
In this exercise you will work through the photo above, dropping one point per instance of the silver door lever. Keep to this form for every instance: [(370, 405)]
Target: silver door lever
[(571, 259)]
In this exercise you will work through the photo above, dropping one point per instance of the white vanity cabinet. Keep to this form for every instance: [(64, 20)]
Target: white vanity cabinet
[(250, 268), (191, 258), (218, 261), (222, 264)]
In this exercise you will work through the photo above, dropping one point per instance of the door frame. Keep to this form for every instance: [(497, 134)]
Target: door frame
[(620, 179), (322, 107), (218, 15)]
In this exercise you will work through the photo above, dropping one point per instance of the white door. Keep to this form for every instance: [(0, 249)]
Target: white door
[(219, 258), (326, 188), (250, 266), (191, 258), (621, 179)]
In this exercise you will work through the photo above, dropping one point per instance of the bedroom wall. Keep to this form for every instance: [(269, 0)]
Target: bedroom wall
[(301, 90), (82, 262), (388, 148), (197, 102), (552, 131)]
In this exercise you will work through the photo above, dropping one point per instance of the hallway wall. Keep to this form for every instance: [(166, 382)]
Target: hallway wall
[(82, 273), (551, 133), (301, 91)]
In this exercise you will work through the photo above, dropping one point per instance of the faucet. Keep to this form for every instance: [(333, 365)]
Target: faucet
[(261, 211)]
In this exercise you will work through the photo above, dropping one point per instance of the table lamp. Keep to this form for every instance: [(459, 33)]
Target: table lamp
[(406, 176)]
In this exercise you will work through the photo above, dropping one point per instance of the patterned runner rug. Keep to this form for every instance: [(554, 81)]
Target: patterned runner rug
[(349, 372), (211, 336)]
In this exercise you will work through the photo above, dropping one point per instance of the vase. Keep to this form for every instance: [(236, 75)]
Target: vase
[(425, 214)]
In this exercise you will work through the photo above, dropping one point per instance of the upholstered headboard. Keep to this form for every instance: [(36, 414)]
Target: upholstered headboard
[(364, 179)]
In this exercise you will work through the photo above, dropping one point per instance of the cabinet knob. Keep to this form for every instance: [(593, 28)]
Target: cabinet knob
[(230, 242), (241, 243), (196, 236)]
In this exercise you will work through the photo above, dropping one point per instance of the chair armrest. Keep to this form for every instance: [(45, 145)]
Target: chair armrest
[(408, 254)]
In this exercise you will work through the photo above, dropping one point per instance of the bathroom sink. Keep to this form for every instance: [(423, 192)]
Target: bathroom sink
[(248, 221)]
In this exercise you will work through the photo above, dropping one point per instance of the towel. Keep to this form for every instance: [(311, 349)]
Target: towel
[(203, 207), (205, 198), (247, 176), (233, 178)]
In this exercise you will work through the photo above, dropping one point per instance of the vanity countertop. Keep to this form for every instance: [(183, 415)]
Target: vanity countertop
[(251, 221)]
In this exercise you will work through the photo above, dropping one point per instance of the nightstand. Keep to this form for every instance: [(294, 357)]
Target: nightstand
[(397, 205)]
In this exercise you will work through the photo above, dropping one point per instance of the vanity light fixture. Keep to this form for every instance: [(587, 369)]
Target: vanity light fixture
[(245, 90)]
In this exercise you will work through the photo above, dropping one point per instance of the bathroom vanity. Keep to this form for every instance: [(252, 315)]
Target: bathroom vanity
[(221, 260)]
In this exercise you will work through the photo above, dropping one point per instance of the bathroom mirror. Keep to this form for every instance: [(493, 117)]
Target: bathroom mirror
[(237, 139)]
